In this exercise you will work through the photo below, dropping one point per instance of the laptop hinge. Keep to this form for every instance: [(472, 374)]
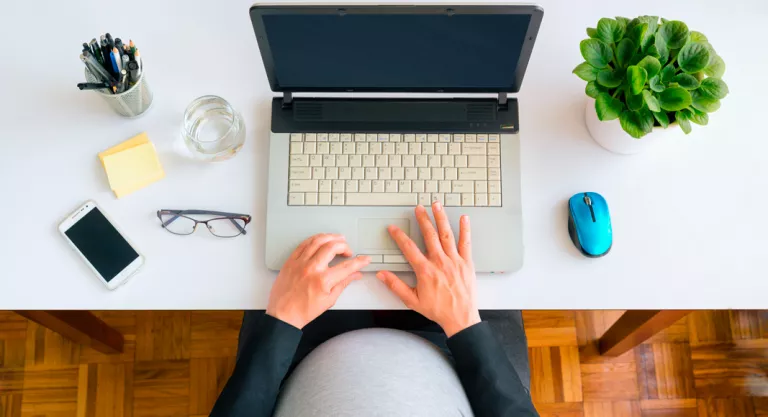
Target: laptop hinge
[(287, 99), (502, 100)]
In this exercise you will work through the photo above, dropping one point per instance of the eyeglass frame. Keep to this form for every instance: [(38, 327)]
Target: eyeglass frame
[(184, 213)]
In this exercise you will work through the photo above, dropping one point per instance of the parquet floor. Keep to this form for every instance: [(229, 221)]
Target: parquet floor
[(710, 364)]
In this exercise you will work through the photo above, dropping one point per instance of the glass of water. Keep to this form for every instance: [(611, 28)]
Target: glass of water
[(213, 130)]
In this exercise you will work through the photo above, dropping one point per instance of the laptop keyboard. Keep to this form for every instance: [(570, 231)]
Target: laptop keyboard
[(369, 169)]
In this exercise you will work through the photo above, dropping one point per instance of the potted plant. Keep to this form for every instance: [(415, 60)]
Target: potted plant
[(644, 76)]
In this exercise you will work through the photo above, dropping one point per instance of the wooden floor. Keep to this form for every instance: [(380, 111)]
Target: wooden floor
[(710, 364)]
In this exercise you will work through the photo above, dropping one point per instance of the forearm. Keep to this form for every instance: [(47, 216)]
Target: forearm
[(263, 362), (489, 380)]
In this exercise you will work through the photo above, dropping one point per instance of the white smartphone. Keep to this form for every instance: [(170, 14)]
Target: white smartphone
[(106, 251)]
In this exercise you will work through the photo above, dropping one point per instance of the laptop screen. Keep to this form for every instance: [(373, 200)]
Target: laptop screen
[(396, 51)]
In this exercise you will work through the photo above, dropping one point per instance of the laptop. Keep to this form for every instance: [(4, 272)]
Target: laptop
[(339, 163)]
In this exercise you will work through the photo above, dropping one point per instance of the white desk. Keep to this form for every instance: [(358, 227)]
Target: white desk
[(690, 216)]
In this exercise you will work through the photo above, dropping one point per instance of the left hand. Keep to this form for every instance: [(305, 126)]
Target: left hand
[(306, 286)]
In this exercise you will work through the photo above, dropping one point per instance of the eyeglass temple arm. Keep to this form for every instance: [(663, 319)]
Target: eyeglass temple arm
[(177, 213)]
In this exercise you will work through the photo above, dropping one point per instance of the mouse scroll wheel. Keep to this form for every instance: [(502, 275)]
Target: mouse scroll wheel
[(588, 200)]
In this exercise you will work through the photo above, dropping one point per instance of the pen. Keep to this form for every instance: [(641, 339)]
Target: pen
[(117, 63), (86, 48), (92, 86), (137, 58), (105, 57), (95, 68), (95, 50), (110, 41), (119, 45), (121, 83), (124, 61)]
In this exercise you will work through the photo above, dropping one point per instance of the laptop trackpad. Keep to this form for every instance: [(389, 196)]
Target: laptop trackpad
[(373, 235)]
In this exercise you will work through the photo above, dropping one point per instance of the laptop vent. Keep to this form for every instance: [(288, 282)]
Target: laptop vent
[(307, 112), (481, 112)]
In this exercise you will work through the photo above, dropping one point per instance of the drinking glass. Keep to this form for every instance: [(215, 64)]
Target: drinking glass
[(213, 130)]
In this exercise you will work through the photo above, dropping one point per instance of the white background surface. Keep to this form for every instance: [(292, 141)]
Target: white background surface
[(689, 216)]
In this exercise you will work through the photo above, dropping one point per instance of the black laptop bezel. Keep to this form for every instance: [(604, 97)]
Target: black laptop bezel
[(536, 13)]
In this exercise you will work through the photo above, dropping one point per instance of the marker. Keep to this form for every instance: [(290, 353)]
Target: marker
[(86, 47), (133, 68), (92, 86), (125, 60), (110, 41), (116, 61)]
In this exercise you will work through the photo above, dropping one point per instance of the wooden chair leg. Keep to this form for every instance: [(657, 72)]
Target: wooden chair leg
[(635, 327), (79, 326)]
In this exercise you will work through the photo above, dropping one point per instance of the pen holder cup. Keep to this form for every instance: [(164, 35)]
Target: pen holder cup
[(132, 102)]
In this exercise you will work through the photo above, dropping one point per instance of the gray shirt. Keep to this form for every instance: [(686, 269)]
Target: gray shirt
[(374, 372)]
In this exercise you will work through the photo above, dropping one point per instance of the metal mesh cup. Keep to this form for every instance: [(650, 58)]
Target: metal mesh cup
[(132, 102)]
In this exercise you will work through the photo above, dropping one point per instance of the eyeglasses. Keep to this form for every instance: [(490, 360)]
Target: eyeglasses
[(178, 222)]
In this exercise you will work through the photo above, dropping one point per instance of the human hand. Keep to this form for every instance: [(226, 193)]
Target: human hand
[(445, 277), (306, 286)]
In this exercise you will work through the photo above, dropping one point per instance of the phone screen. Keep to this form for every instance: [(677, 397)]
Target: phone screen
[(100, 243)]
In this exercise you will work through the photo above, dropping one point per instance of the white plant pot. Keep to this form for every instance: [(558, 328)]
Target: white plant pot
[(612, 137)]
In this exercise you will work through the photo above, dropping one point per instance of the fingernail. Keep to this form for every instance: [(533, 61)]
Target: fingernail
[(420, 208), (437, 206), (391, 227), (380, 275), (465, 219)]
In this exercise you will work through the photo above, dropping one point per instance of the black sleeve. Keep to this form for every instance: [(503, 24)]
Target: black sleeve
[(261, 366), (491, 383)]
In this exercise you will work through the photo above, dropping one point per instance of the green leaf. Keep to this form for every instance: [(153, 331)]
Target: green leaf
[(682, 120), (662, 118), (624, 52), (716, 67), (674, 99), (687, 81), (667, 74), (636, 123), (656, 85), (592, 32), (609, 30), (651, 65), (596, 52), (607, 107), (698, 117), (662, 49), (651, 101), (610, 79), (704, 103), (593, 89), (634, 102), (648, 36), (637, 78), (636, 32), (586, 72), (675, 33), (698, 37), (713, 88), (694, 57), (663, 20)]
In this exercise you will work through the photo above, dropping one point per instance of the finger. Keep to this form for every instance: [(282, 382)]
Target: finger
[(341, 271), (314, 243), (444, 231), (328, 251), (341, 286), (409, 249), (430, 235), (465, 240), (401, 289)]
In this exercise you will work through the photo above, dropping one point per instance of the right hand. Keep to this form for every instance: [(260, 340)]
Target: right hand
[(445, 276)]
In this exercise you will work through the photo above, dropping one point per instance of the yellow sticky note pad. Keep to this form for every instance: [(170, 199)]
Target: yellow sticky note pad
[(131, 165)]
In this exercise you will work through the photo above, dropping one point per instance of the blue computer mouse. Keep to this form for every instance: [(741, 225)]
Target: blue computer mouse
[(589, 224)]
